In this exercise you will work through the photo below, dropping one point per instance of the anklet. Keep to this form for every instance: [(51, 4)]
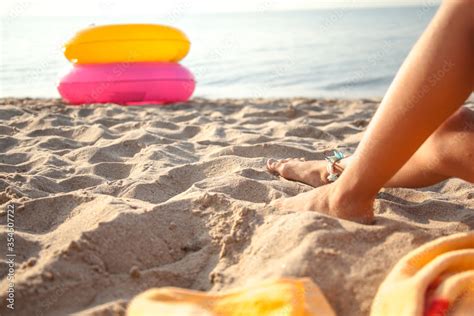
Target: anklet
[(332, 159)]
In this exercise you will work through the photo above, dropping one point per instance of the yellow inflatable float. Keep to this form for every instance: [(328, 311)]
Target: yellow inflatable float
[(127, 43)]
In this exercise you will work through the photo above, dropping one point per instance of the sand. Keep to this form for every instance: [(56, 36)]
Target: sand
[(110, 201)]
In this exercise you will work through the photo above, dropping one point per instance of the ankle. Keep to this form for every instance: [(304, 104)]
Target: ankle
[(345, 162), (338, 168), (322, 174), (350, 204)]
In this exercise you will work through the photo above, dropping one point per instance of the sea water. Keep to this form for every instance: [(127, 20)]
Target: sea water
[(346, 53)]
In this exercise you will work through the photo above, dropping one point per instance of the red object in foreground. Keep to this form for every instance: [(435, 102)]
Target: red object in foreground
[(438, 307)]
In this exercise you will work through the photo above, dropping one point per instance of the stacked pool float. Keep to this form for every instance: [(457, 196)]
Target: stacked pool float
[(128, 64)]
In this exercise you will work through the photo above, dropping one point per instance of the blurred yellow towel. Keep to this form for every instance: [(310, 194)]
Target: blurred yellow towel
[(436, 279), (282, 297)]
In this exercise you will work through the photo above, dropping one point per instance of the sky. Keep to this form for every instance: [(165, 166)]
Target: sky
[(14, 8)]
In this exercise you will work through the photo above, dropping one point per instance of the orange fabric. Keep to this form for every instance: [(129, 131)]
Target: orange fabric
[(436, 279), (283, 297)]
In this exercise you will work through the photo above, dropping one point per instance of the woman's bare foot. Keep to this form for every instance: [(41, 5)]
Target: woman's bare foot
[(313, 173), (331, 201)]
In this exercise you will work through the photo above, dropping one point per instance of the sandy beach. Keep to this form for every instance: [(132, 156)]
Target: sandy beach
[(110, 201)]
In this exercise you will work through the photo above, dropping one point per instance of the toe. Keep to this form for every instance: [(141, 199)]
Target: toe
[(271, 164), (276, 204), (277, 166), (284, 167)]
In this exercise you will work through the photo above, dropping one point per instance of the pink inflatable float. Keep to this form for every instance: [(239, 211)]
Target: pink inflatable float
[(127, 83)]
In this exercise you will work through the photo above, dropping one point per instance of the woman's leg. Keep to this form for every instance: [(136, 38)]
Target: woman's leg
[(447, 153), (442, 156), (434, 81)]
